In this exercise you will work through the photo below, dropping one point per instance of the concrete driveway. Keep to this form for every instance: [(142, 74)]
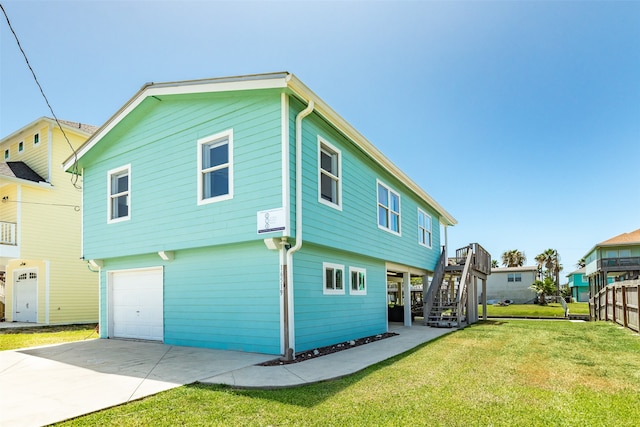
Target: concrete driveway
[(44, 385)]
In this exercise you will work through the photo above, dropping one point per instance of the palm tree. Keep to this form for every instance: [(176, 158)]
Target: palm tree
[(494, 263), (513, 258), (550, 261), (543, 288), (581, 263)]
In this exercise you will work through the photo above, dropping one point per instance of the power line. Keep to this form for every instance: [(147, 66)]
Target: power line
[(74, 168), (75, 207)]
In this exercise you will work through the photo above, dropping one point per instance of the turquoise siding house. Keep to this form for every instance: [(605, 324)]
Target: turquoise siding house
[(579, 285), (243, 213)]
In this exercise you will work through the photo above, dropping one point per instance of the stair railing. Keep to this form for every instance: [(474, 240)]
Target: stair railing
[(463, 286), (434, 287)]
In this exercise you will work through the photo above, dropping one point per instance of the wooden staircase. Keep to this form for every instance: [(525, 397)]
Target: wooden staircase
[(446, 301)]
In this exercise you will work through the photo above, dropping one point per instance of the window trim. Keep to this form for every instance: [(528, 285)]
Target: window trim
[(422, 231), (218, 137), (335, 267), (378, 205), (357, 270), (6, 154), (110, 174), (21, 147), (324, 145), (36, 139)]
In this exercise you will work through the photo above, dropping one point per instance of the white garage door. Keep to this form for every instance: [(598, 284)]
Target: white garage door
[(26, 297), (137, 304)]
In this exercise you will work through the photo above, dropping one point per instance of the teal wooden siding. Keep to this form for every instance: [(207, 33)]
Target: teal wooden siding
[(160, 143), (328, 319), (355, 227), (224, 297)]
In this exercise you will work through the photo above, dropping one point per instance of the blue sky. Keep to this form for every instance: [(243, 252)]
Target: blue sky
[(522, 119)]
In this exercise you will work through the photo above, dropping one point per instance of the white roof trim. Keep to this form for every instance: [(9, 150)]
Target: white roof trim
[(46, 120), (262, 81)]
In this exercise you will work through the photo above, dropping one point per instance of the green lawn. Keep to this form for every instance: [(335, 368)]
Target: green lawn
[(578, 307), (499, 373), (524, 310), (11, 339), (534, 310)]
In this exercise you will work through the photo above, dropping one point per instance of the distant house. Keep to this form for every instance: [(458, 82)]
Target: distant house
[(244, 213), (579, 285), (512, 284), (615, 259), (44, 279)]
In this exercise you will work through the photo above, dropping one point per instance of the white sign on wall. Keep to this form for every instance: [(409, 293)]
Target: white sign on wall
[(271, 220)]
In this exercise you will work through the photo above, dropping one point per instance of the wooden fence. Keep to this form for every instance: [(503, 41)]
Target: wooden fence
[(618, 303)]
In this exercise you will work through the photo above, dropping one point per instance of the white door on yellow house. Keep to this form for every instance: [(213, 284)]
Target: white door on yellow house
[(25, 290)]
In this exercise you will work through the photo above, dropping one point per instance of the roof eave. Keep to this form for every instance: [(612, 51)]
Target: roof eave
[(259, 81), (44, 119), (302, 91), (253, 81)]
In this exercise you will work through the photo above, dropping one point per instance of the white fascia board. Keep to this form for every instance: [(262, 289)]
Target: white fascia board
[(302, 91), (252, 82), (46, 120), (26, 182)]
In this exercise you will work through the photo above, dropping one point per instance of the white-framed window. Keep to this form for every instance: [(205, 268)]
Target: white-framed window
[(6, 154), (119, 194), (388, 208), (424, 228), (20, 146), (332, 279), (514, 277), (215, 167), (357, 281), (330, 172), (36, 139)]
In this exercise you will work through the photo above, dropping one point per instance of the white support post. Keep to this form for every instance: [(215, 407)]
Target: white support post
[(406, 298)]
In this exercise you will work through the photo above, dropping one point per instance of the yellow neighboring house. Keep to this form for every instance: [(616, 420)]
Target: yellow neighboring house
[(43, 278)]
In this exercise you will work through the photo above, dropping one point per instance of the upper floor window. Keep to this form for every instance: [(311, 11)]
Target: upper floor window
[(119, 185), (6, 154), (514, 277), (20, 146), (333, 280), (36, 139), (329, 166), (388, 209), (215, 167), (358, 278), (424, 228)]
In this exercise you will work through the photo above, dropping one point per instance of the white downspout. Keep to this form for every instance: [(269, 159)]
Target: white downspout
[(289, 337)]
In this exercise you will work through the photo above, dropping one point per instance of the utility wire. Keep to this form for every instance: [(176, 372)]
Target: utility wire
[(74, 168), (75, 207)]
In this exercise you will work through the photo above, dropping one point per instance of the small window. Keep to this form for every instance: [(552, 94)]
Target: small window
[(514, 277), (20, 146), (119, 185), (358, 281), (333, 280), (424, 229), (329, 166), (215, 168), (6, 154), (36, 139), (388, 209), (518, 277)]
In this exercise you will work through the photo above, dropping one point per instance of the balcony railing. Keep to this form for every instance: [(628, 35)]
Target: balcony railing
[(632, 263), (7, 233)]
